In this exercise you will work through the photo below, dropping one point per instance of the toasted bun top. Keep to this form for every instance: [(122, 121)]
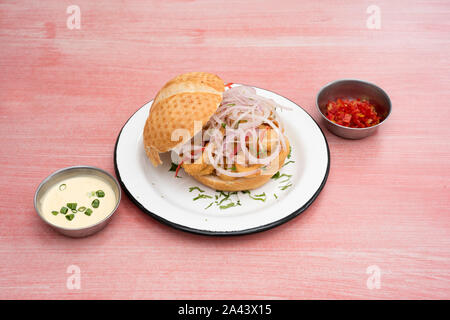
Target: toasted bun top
[(189, 97)]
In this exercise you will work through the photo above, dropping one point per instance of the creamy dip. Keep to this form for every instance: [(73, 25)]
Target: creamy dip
[(82, 191)]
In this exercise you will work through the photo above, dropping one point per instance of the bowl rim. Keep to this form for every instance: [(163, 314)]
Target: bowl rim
[(329, 84), (46, 179)]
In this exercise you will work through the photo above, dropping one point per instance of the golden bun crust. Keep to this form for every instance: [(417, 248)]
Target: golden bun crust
[(188, 97), (241, 184)]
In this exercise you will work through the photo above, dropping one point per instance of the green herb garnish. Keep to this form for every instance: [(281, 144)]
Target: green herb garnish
[(230, 205), (81, 209), (72, 205), (201, 196), (290, 151), (100, 193), (62, 187), (209, 205), (88, 211), (64, 210), (288, 163), (195, 188), (70, 217), (275, 195), (74, 211), (286, 186), (233, 168), (95, 203), (224, 125), (55, 213), (173, 167), (262, 197), (276, 175)]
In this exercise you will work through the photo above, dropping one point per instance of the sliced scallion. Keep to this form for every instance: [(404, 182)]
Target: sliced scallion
[(95, 203), (72, 205)]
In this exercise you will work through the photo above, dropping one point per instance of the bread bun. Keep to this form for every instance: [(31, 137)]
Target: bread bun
[(189, 97), (240, 184)]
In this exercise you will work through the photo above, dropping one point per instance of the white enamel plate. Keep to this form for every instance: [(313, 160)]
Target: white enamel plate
[(157, 192)]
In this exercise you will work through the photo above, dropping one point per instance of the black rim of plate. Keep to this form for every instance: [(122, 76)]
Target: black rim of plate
[(224, 233)]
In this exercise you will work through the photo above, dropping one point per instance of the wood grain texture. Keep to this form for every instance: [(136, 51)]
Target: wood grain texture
[(65, 94)]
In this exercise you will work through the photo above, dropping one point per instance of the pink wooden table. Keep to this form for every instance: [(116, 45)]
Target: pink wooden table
[(65, 94)]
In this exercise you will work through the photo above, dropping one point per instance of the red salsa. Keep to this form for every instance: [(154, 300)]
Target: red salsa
[(354, 113)]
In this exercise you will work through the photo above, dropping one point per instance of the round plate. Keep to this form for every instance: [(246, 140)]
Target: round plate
[(157, 192)]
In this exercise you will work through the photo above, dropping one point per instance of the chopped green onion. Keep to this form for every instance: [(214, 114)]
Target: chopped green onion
[(233, 168), (290, 151), (195, 188), (81, 209), (276, 175), (72, 205), (70, 217), (100, 193), (62, 187), (64, 210), (224, 125), (88, 211), (74, 211), (55, 213), (275, 195), (95, 203)]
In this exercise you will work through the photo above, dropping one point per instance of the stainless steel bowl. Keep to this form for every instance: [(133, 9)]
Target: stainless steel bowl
[(62, 174), (353, 88)]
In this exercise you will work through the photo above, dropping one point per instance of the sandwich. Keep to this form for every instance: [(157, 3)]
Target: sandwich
[(229, 140)]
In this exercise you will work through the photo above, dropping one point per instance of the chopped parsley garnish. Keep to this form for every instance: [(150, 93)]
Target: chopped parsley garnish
[(230, 205), (262, 197), (209, 205), (195, 188), (288, 163), (201, 196), (275, 195), (286, 186), (173, 167), (276, 175)]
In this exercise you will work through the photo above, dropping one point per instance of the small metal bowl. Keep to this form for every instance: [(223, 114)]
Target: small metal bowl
[(353, 88), (62, 174)]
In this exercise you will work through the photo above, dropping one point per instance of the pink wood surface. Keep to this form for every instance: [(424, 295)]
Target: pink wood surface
[(65, 94)]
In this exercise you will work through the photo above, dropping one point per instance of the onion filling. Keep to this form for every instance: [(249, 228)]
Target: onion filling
[(236, 134)]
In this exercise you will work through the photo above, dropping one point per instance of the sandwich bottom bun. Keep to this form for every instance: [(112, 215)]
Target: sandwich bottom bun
[(241, 184)]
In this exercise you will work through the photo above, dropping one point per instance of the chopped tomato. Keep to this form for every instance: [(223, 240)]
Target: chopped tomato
[(354, 113), (229, 84)]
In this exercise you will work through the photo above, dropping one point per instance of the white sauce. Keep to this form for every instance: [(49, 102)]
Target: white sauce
[(78, 190)]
